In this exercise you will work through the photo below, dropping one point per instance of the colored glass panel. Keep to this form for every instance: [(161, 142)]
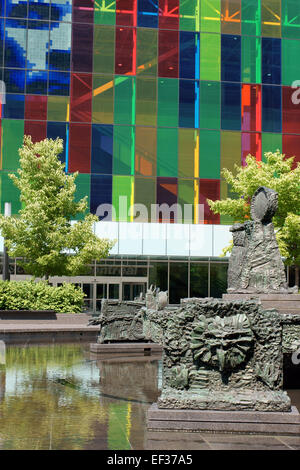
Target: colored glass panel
[(290, 19), (209, 162), (102, 149), (271, 108), (58, 129), (59, 84), (168, 52), (251, 107), (209, 189), (168, 12), (126, 12), (122, 187), (145, 151), (231, 16), (251, 144), (123, 156), (58, 108), (82, 47), (188, 151), (189, 15), (81, 97), (145, 193), (189, 55), (188, 103), (80, 148), (251, 59), (101, 193), (230, 149), (290, 112), (290, 61), (271, 18), (146, 52), (83, 11), (125, 97), (166, 193), (103, 50), (231, 58), (210, 57), (36, 129), (271, 61), (14, 80), (83, 188), (103, 99), (167, 152), (148, 13), (186, 196), (12, 139), (167, 102), (210, 105), (231, 106), (10, 193), (210, 16), (125, 51), (145, 101), (291, 147), (105, 12), (13, 107), (271, 143), (251, 17), (36, 107)]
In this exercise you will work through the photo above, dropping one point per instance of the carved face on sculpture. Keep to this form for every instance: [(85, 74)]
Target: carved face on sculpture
[(224, 343)]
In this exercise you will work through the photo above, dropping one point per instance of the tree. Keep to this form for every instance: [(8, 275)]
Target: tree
[(276, 173), (43, 233)]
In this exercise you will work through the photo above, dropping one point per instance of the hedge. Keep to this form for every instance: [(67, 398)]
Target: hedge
[(30, 295)]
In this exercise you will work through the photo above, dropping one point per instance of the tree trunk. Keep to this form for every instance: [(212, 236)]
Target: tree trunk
[(297, 276)]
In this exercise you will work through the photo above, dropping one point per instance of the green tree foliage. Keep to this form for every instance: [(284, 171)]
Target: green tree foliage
[(43, 233), (276, 173)]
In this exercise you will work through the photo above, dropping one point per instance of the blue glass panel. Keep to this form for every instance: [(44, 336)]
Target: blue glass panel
[(231, 106), (101, 191), (14, 80), (59, 83), (38, 33), (15, 43), (16, 9), (39, 10), (230, 58), (60, 46), (148, 13), (188, 103), (2, 7), (102, 149), (271, 60), (36, 82), (14, 107), (61, 10), (58, 129), (271, 108), (189, 55), (1, 40)]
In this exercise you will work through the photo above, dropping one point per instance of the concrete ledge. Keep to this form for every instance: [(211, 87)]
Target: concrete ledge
[(20, 334), (284, 303), (126, 348), (249, 422)]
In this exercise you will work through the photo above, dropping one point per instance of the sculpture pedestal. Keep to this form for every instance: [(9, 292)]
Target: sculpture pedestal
[(284, 303), (126, 348), (249, 422)]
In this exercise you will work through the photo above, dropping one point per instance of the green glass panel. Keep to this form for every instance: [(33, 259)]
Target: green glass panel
[(145, 193), (210, 56), (251, 17), (271, 143), (189, 15), (271, 18), (187, 152), (123, 160), (58, 108), (210, 105), (230, 149), (145, 151), (186, 196), (290, 61), (105, 12), (124, 100), (12, 140), (83, 187), (209, 164), (211, 16), (251, 59), (167, 105), (122, 186), (167, 152), (290, 19), (103, 99), (103, 51), (146, 101), (9, 193), (146, 52)]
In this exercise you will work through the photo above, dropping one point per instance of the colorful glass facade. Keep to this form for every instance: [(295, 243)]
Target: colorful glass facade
[(152, 97)]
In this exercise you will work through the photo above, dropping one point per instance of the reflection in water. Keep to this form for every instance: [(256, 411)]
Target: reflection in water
[(55, 397)]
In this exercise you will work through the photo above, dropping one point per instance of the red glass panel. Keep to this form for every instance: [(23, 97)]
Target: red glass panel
[(168, 53), (251, 143), (80, 148), (126, 12), (251, 108), (169, 14), (81, 97), (83, 11), (125, 52), (37, 130), (36, 107), (291, 147), (291, 112), (209, 189), (166, 193)]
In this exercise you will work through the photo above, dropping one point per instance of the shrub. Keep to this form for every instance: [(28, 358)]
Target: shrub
[(30, 295)]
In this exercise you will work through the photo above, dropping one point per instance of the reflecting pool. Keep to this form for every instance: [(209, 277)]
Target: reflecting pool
[(60, 396)]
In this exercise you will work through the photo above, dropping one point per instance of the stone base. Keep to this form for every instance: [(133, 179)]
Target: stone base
[(223, 400), (248, 422), (126, 348), (284, 303)]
